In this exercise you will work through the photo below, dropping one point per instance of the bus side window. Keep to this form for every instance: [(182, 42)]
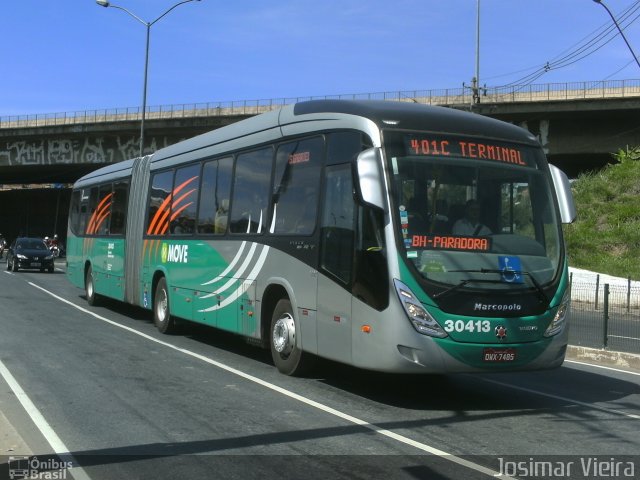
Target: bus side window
[(119, 208), (75, 217), (296, 186), (337, 228), (102, 219), (90, 212), (184, 202), (159, 203), (251, 192), (214, 196)]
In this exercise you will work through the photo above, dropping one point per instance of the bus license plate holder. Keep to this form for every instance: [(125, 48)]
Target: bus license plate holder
[(499, 355)]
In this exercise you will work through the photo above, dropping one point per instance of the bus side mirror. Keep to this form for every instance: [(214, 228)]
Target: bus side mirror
[(369, 179), (563, 193)]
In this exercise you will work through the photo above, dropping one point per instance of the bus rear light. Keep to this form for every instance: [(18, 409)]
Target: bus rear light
[(421, 320), (366, 328)]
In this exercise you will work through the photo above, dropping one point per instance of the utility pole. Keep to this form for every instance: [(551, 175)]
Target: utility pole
[(475, 81)]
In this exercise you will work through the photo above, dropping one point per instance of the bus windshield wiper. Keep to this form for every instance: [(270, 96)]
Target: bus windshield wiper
[(462, 284), (541, 293), (451, 289)]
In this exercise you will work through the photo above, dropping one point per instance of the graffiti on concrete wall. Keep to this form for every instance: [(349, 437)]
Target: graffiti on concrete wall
[(61, 150)]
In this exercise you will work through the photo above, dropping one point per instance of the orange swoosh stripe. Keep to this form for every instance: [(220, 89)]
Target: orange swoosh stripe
[(156, 224), (90, 227), (102, 218)]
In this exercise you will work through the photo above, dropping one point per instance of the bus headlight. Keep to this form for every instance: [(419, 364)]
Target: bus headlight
[(559, 320), (421, 320)]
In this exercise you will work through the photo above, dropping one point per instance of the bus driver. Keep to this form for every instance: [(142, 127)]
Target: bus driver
[(470, 224)]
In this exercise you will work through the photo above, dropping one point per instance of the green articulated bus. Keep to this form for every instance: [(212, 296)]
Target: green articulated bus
[(390, 236)]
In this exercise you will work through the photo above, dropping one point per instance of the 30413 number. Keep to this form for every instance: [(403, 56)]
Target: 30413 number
[(468, 326)]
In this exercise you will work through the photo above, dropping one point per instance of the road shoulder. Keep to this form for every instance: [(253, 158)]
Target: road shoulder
[(596, 356), (11, 443)]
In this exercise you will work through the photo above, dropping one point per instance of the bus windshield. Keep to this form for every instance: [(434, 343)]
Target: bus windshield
[(474, 213)]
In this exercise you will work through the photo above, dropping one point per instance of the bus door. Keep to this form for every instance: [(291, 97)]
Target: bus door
[(337, 237)]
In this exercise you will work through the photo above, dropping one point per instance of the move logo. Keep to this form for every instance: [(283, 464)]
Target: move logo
[(174, 253)]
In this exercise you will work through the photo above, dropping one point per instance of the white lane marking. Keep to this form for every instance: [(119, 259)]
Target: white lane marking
[(325, 408), (564, 399), (603, 367), (47, 431)]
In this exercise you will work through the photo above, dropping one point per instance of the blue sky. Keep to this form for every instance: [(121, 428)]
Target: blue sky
[(73, 55)]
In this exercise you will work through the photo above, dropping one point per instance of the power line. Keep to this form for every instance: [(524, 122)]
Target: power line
[(580, 50), (619, 70), (624, 37)]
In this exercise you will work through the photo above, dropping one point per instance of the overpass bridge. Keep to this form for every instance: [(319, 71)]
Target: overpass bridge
[(579, 124)]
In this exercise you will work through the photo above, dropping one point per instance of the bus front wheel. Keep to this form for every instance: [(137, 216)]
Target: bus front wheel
[(287, 355), (162, 318)]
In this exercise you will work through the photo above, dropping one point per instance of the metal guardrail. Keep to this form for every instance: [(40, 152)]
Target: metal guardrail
[(605, 316), (450, 97)]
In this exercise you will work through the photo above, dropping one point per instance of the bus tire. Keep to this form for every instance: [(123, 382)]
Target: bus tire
[(287, 355), (162, 318), (93, 298)]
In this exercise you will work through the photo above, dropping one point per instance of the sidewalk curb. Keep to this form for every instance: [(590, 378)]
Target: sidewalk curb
[(11, 443), (604, 357)]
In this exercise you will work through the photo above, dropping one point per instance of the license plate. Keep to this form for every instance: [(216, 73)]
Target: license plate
[(498, 355), (35, 264)]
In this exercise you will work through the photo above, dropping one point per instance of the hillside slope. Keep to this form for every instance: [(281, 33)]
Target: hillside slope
[(606, 235)]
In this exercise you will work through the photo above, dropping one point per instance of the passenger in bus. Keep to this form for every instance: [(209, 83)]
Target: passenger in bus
[(182, 226), (470, 224), (222, 216)]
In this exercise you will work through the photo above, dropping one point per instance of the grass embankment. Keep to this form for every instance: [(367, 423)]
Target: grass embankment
[(606, 235)]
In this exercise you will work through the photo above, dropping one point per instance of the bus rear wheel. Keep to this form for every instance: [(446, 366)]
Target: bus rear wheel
[(162, 318), (287, 355), (90, 288)]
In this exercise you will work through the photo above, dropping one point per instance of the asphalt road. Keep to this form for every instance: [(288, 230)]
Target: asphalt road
[(129, 403)]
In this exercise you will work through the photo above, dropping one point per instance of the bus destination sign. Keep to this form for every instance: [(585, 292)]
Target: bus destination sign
[(472, 148), (451, 242)]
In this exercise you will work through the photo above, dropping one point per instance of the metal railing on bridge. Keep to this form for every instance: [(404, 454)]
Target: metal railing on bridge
[(450, 97), (605, 315)]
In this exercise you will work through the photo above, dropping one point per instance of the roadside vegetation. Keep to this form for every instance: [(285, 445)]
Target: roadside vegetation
[(606, 234)]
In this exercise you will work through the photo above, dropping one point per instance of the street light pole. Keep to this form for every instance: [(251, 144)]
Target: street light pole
[(476, 90), (619, 29), (475, 80), (107, 4)]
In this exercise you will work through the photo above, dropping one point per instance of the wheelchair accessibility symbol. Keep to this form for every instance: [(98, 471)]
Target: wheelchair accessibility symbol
[(511, 269)]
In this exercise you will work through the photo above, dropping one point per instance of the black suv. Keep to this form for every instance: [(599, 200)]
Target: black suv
[(30, 253)]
